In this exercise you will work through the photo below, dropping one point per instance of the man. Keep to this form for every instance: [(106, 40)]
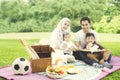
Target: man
[(80, 41), (80, 35)]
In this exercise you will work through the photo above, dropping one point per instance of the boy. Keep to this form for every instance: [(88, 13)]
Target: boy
[(96, 52)]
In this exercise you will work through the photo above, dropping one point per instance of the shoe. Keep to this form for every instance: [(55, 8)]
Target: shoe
[(96, 65), (107, 65)]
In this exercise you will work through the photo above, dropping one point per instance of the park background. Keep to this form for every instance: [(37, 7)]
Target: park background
[(36, 19)]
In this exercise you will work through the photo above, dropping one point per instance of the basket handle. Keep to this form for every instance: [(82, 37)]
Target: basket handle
[(24, 43), (31, 51)]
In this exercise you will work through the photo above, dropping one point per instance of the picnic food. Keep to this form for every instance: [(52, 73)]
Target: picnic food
[(53, 72), (72, 71)]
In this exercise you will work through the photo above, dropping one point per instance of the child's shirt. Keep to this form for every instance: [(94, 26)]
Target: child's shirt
[(69, 45), (94, 47)]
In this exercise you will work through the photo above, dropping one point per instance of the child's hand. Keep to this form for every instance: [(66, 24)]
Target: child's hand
[(69, 50), (89, 46), (64, 46)]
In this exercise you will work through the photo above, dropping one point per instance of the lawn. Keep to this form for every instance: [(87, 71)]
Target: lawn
[(11, 48)]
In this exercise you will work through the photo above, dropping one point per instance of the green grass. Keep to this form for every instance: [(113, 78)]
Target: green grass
[(113, 46), (10, 49)]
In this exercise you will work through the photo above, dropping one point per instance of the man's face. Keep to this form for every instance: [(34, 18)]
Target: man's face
[(90, 39), (85, 25), (65, 26)]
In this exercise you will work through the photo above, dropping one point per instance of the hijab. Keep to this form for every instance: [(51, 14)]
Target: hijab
[(60, 31)]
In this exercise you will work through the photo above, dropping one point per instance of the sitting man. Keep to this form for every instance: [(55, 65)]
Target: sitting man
[(80, 42)]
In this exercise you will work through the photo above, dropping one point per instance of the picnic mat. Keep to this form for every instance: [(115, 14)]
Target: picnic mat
[(86, 72)]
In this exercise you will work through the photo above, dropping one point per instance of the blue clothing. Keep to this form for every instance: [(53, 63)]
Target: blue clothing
[(83, 56), (109, 59)]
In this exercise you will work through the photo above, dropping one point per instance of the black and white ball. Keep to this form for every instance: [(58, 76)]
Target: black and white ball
[(21, 66)]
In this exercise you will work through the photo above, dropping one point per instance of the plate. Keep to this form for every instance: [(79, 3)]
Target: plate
[(55, 72)]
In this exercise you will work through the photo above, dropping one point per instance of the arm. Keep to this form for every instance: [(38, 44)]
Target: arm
[(96, 36), (101, 48), (63, 45), (54, 42), (73, 45), (77, 39), (77, 44)]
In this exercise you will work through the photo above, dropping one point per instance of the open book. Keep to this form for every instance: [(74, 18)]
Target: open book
[(91, 51)]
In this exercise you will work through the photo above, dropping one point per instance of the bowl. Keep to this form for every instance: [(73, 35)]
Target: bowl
[(55, 72)]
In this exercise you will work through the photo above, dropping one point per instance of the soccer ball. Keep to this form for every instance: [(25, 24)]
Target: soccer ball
[(21, 66)]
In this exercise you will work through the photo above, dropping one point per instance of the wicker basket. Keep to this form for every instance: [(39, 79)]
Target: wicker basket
[(44, 52), (40, 65), (40, 56)]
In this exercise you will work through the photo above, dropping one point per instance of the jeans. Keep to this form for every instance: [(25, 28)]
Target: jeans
[(109, 59), (79, 55)]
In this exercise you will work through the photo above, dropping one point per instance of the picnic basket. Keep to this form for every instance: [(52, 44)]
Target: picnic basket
[(40, 56)]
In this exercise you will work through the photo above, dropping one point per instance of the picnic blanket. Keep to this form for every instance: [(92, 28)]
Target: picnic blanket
[(87, 72)]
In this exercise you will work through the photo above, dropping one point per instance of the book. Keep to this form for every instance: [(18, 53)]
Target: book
[(88, 51)]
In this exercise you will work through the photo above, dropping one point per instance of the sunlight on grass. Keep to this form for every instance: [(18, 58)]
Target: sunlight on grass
[(113, 46), (12, 49)]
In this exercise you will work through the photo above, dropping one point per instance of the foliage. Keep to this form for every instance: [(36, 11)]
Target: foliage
[(43, 15), (108, 26)]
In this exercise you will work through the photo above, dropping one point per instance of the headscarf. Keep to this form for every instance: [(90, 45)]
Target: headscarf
[(57, 35), (59, 28)]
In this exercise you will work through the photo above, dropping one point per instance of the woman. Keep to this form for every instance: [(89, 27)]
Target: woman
[(57, 35)]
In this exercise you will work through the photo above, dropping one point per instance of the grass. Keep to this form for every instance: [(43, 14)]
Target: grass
[(11, 48)]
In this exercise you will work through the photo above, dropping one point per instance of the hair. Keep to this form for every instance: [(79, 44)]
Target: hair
[(65, 34), (89, 35), (85, 18)]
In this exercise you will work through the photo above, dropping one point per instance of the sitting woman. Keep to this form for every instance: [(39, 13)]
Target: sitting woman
[(57, 35), (57, 38)]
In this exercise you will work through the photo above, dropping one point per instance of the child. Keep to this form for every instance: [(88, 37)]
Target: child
[(67, 47), (97, 52)]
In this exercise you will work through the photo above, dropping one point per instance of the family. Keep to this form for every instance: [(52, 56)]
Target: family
[(85, 46)]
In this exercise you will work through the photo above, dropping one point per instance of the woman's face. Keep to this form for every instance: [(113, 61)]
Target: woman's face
[(65, 26), (85, 25)]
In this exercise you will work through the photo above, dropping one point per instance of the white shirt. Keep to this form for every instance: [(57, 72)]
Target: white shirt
[(69, 45), (80, 37)]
